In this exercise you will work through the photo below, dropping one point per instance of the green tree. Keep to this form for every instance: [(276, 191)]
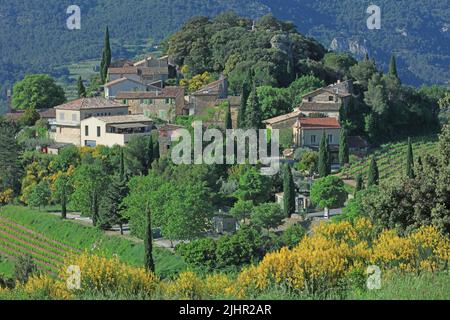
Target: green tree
[(293, 235), (40, 195), (243, 108), (112, 207), (137, 155), (228, 119), (393, 67), (37, 91), (309, 161), (267, 215), (62, 190), (274, 101), (252, 185), (106, 58), (289, 191), (344, 156), (148, 241), (253, 112), (359, 183), (199, 254), (80, 88), (324, 157), (90, 182), (29, 117), (409, 161), (363, 71), (374, 175), (242, 209), (328, 192)]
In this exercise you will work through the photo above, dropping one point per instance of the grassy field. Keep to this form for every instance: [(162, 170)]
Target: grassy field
[(23, 229), (391, 158)]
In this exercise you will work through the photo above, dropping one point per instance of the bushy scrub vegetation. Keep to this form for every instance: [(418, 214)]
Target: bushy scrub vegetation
[(342, 253)]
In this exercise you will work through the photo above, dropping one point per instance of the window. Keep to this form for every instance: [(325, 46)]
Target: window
[(61, 116), (86, 130), (90, 143), (74, 117), (310, 99), (167, 101), (331, 98), (313, 139), (99, 132), (330, 138)]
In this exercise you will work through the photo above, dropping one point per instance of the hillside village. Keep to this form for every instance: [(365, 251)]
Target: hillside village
[(95, 174)]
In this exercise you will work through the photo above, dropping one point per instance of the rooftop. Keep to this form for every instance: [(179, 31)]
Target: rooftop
[(283, 117), (167, 92), (89, 103), (132, 118), (320, 106), (318, 123)]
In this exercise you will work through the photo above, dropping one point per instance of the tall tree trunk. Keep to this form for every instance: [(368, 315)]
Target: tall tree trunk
[(149, 263)]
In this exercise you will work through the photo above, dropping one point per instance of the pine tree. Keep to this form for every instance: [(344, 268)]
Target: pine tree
[(410, 161), (228, 119), (393, 67), (149, 262), (243, 109), (253, 113), (289, 191), (81, 89), (111, 213), (344, 157), (374, 175), (106, 58), (324, 157), (359, 183)]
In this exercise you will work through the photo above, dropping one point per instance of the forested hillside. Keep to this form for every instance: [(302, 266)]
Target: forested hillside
[(34, 36)]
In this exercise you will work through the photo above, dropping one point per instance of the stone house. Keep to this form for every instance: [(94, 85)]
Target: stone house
[(114, 87), (163, 104), (327, 101), (308, 133), (114, 130), (69, 116)]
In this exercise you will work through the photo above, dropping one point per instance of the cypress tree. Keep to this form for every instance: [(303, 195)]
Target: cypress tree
[(374, 175), (243, 109), (81, 88), (289, 191), (393, 67), (359, 183), (410, 161), (324, 157), (156, 151), (228, 119), (106, 58), (149, 262), (253, 114), (150, 152), (122, 165), (366, 56), (344, 157)]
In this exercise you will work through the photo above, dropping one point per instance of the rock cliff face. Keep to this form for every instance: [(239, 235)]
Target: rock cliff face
[(357, 47)]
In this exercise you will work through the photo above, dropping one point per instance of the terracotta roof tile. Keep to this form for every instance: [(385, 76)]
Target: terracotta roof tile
[(89, 103), (318, 123)]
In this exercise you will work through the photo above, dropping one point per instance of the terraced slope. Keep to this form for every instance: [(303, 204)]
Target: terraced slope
[(391, 158), (17, 240)]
